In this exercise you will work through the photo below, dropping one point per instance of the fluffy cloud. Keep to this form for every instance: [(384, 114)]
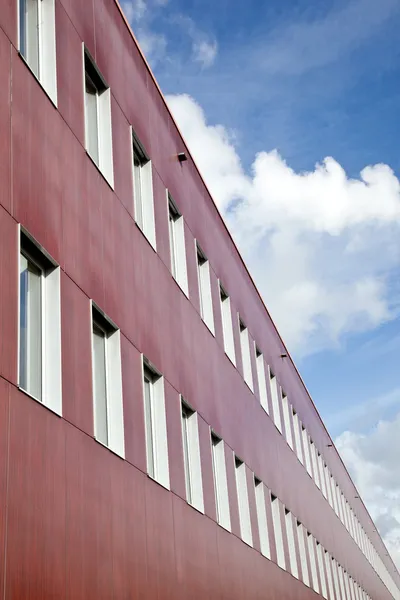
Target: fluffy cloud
[(372, 460), (319, 244), (205, 52)]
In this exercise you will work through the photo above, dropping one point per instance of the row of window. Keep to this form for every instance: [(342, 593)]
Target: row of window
[(39, 285)]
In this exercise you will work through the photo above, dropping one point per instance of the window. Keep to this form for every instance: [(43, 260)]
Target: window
[(143, 190), (329, 577), (191, 457), (39, 325), (155, 425), (334, 497), (227, 325), (177, 246), (346, 584), (275, 400), (321, 474), (341, 581), (206, 305), (243, 502), (303, 553), (98, 131), (287, 411), (328, 485), (306, 447), (107, 383), (313, 453), (297, 437), (220, 482), (313, 562), (336, 578), (262, 517), (262, 384), (291, 543), (246, 358), (37, 41), (321, 568), (277, 523)]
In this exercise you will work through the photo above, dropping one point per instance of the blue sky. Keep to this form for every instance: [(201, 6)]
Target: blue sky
[(268, 90)]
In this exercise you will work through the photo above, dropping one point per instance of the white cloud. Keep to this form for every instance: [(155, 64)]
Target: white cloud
[(319, 244), (373, 462), (205, 52), (134, 10), (204, 46), (153, 45)]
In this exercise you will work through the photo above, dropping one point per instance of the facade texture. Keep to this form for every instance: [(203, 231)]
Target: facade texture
[(156, 440)]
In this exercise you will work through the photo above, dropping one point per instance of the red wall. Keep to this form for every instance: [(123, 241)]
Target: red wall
[(76, 521)]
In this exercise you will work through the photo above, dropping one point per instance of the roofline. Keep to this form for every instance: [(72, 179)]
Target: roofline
[(245, 266)]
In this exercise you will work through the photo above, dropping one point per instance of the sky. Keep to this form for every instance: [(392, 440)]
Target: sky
[(291, 111)]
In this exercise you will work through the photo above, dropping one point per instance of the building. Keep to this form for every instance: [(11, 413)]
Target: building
[(156, 440)]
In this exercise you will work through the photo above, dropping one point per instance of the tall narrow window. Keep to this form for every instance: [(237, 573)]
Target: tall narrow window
[(220, 482), (328, 485), (37, 41), (107, 383), (287, 412), (297, 437), (277, 523), (321, 474), (314, 460), (206, 305), (98, 131), (262, 383), (191, 457), (306, 448), (262, 517), (313, 562), (143, 197), (155, 425), (329, 576), (335, 574), (321, 568), (177, 246), (227, 325), (39, 325), (303, 553), (275, 400), (334, 497), (243, 502), (291, 543), (341, 582), (246, 358)]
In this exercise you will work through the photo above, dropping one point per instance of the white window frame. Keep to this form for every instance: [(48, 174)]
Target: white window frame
[(205, 295), (243, 501), (227, 324), (143, 194), (262, 517), (329, 574), (291, 543), (275, 390), (105, 162), (158, 425), (113, 381), (297, 437), (301, 533), (314, 461), (177, 244), (313, 562), (50, 292), (246, 354), (287, 411), (278, 531), (220, 482), (321, 569), (47, 64), (191, 457), (262, 381), (307, 450)]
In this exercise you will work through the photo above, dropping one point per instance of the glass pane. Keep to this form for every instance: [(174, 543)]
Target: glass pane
[(29, 33), (30, 358), (149, 428), (137, 191), (172, 245), (100, 387), (92, 126), (185, 437)]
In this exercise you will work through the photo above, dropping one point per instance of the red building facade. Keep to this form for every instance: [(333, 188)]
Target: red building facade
[(156, 440)]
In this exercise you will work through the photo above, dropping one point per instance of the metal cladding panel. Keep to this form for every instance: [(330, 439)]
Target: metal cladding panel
[(81, 522)]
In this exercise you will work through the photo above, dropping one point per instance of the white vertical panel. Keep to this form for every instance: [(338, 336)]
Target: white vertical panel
[(291, 544), (262, 383), (149, 228), (227, 327), (341, 582), (246, 359), (48, 74), (322, 475), (277, 523), (314, 460), (329, 577), (321, 568), (306, 447), (195, 463), (328, 485), (303, 554), (262, 520), (116, 434), (160, 429), (206, 297), (297, 438), (313, 563), (243, 502), (275, 402), (336, 579), (287, 411), (180, 246), (105, 136), (221, 485), (52, 342), (334, 496), (352, 591)]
